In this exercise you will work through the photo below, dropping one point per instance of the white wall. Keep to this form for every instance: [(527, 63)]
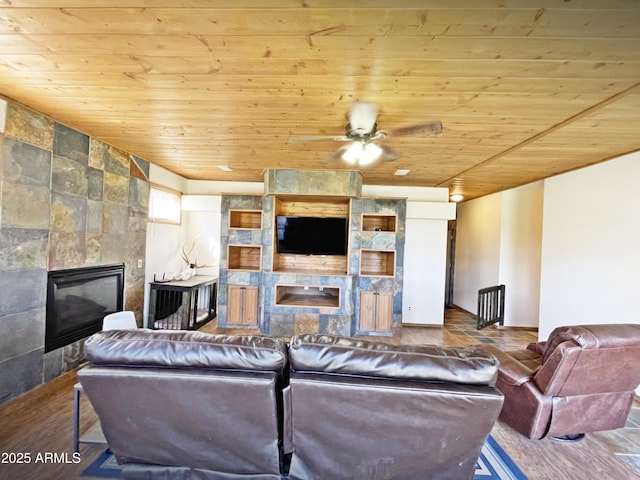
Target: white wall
[(425, 255), (201, 217), (164, 177), (164, 241), (589, 255), (424, 272), (591, 246), (520, 253), (478, 235), (499, 242), (414, 194), (202, 187)]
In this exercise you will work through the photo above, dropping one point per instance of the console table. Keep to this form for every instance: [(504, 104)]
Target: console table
[(182, 304)]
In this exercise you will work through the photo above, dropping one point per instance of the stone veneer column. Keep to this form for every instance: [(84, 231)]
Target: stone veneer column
[(66, 201), (237, 237)]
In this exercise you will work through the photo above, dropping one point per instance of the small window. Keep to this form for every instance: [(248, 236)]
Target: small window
[(164, 205)]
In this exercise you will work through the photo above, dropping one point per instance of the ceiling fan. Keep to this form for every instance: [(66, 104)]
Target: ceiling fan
[(362, 133)]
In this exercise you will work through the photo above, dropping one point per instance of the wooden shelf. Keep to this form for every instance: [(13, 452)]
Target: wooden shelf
[(244, 257), (377, 263), (312, 206), (304, 271), (305, 296), (321, 264), (245, 219), (376, 222)]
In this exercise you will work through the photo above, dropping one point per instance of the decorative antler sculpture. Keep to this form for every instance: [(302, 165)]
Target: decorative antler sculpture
[(187, 260)]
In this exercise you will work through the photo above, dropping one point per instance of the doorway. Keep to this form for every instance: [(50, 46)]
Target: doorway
[(451, 264)]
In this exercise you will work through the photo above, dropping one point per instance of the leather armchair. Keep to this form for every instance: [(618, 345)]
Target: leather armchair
[(180, 405), (368, 410), (582, 379)]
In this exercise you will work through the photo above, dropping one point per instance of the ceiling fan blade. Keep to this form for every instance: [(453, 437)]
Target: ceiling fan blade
[(422, 128), (362, 116), (336, 155), (388, 154), (315, 138)]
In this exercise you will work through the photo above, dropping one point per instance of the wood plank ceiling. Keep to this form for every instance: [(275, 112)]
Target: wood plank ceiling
[(525, 89)]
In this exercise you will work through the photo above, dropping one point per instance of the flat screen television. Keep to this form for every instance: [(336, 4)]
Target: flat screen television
[(311, 235)]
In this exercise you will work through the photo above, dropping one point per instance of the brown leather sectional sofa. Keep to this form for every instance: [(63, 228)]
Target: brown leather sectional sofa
[(188, 405)]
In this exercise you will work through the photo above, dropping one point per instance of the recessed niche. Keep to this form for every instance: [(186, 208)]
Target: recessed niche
[(379, 222), (377, 263), (246, 219), (307, 296), (244, 257)]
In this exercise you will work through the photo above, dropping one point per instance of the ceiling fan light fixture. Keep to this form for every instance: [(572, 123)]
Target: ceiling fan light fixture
[(353, 153), (361, 153), (370, 153)]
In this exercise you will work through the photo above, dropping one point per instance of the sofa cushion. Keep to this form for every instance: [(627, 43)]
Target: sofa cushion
[(348, 356), (186, 349)]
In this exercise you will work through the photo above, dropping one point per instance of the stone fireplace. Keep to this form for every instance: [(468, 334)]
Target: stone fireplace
[(67, 201)]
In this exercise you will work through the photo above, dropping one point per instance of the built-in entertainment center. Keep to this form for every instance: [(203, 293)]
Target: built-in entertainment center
[(312, 255)]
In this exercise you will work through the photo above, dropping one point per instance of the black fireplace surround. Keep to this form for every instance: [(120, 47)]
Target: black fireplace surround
[(77, 301)]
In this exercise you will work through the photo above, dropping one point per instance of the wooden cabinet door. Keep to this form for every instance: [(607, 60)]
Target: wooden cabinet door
[(384, 311), (250, 315), (234, 304), (376, 311), (367, 311), (242, 305)]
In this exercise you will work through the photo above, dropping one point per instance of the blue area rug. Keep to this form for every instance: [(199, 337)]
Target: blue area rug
[(105, 466), (493, 464)]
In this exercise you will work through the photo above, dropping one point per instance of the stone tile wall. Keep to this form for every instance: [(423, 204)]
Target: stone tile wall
[(313, 182), (66, 201)]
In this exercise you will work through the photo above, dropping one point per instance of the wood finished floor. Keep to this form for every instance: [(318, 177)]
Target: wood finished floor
[(41, 422)]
